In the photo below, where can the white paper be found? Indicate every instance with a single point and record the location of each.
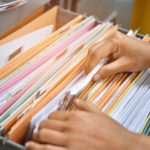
(52, 106)
(138, 98)
(129, 95)
(24, 42)
(140, 118)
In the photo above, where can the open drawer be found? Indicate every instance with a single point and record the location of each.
(62, 20)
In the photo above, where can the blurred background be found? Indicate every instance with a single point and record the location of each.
(127, 13)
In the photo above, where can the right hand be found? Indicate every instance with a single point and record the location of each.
(86, 129)
(132, 55)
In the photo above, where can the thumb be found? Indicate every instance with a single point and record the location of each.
(114, 67)
(85, 106)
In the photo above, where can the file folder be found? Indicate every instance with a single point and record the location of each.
(38, 79)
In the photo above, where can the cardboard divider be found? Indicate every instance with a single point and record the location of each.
(39, 22)
(23, 22)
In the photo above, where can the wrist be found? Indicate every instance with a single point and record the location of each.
(141, 142)
(147, 49)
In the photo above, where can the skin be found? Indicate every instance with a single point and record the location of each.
(131, 55)
(89, 128)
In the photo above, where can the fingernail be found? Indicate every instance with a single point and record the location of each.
(77, 100)
(96, 77)
(27, 145)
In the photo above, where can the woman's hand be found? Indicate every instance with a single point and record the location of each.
(131, 55)
(87, 129)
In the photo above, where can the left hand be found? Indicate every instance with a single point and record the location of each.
(87, 129)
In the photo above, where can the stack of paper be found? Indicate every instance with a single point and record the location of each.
(36, 82)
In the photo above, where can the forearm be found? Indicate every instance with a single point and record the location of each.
(142, 142)
(147, 60)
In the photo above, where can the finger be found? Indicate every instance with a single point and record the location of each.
(37, 146)
(34, 136)
(85, 106)
(59, 115)
(53, 125)
(119, 65)
(50, 137)
(90, 51)
(104, 50)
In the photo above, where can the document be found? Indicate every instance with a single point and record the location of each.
(52, 106)
(52, 81)
(46, 57)
(68, 52)
(135, 102)
(12, 49)
(140, 118)
(116, 93)
(128, 94)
